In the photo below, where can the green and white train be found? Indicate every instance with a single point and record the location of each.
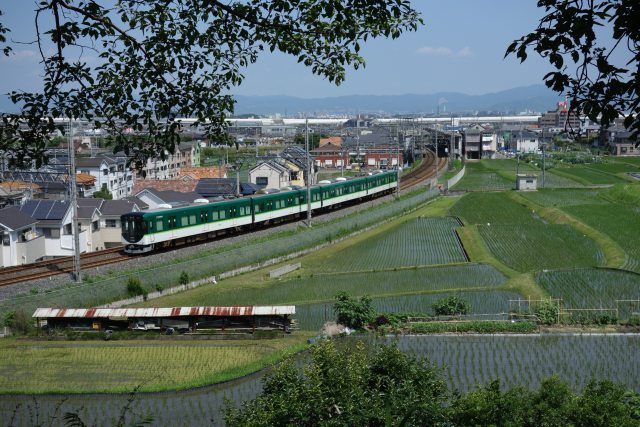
(149, 230)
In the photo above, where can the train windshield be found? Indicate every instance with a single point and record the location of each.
(133, 228)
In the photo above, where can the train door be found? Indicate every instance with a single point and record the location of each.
(171, 222)
(204, 220)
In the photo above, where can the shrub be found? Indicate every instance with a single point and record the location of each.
(451, 306)
(547, 312)
(19, 322)
(353, 313)
(184, 278)
(134, 287)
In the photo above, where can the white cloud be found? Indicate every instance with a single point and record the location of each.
(465, 52)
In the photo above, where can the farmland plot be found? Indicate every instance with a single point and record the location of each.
(535, 247)
(587, 175)
(423, 241)
(620, 222)
(494, 208)
(526, 360)
(312, 316)
(590, 287)
(480, 180)
(562, 197)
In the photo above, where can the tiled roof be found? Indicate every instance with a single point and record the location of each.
(133, 199)
(86, 212)
(334, 140)
(85, 178)
(90, 202)
(171, 196)
(204, 172)
(215, 187)
(116, 207)
(13, 219)
(19, 185)
(182, 185)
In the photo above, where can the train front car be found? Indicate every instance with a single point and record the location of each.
(134, 229)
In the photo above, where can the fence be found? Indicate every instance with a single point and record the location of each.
(223, 261)
(457, 177)
(622, 309)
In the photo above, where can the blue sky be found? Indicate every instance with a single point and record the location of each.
(460, 48)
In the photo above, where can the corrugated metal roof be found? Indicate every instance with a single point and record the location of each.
(165, 311)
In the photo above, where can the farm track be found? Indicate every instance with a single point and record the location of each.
(43, 269)
(52, 267)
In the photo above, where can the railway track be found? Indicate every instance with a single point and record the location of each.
(52, 267)
(423, 172)
(43, 269)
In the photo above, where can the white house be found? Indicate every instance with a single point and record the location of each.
(55, 224)
(270, 174)
(111, 171)
(21, 243)
(524, 141)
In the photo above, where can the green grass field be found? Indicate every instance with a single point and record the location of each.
(587, 175)
(535, 247)
(561, 198)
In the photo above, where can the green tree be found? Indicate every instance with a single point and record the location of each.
(547, 312)
(104, 193)
(353, 313)
(154, 62)
(588, 69)
(349, 387)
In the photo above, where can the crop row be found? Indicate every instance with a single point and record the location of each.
(312, 316)
(422, 241)
(591, 287)
(493, 208)
(620, 222)
(546, 246)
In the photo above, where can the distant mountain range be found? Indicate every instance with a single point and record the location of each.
(533, 98)
(527, 98)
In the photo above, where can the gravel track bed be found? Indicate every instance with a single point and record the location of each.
(52, 282)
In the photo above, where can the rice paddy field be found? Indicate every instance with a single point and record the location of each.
(418, 242)
(492, 208)
(591, 287)
(32, 366)
(536, 247)
(466, 360)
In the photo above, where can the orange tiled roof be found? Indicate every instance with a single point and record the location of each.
(182, 185)
(206, 172)
(18, 185)
(85, 178)
(335, 140)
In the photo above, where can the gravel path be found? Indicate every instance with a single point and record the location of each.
(26, 288)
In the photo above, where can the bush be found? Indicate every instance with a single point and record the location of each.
(547, 312)
(451, 306)
(184, 278)
(19, 322)
(353, 313)
(134, 287)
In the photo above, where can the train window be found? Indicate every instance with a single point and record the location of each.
(192, 219)
(184, 221)
(222, 214)
(159, 224)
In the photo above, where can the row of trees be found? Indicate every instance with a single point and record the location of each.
(357, 386)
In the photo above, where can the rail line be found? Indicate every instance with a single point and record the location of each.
(52, 267)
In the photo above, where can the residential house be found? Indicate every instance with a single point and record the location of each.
(197, 172)
(157, 198)
(621, 143)
(383, 156)
(110, 171)
(479, 142)
(269, 174)
(89, 223)
(15, 193)
(297, 160)
(183, 184)
(330, 155)
(21, 243)
(110, 226)
(215, 188)
(55, 224)
(522, 141)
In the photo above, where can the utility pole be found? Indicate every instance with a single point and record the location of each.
(436, 150)
(74, 206)
(543, 159)
(398, 163)
(451, 146)
(306, 143)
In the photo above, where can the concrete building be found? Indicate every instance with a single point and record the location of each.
(110, 171)
(330, 155)
(21, 244)
(526, 182)
(522, 141)
(620, 142)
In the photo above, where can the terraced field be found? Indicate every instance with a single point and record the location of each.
(493, 208)
(535, 247)
(563, 197)
(418, 242)
(312, 316)
(526, 360)
(590, 287)
(620, 222)
(587, 175)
